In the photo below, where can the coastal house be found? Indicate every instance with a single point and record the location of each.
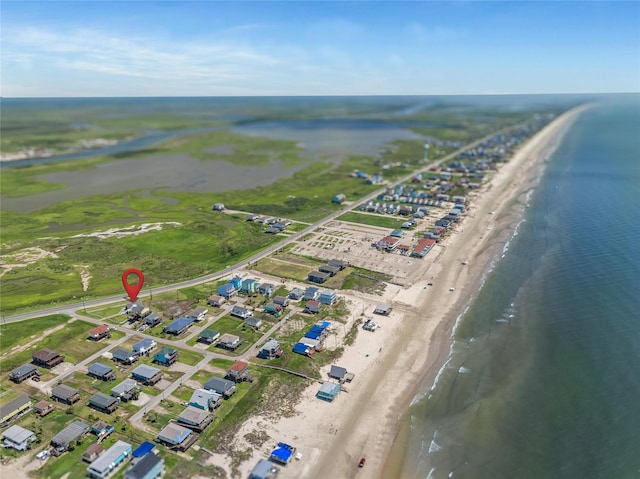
(270, 350)
(42, 408)
(423, 247)
(339, 198)
(47, 358)
(328, 391)
(240, 312)
(93, 452)
(127, 390)
(179, 326)
(249, 286)
(205, 399)
(18, 438)
(264, 470)
(150, 466)
(166, 356)
(311, 293)
(124, 356)
(195, 418)
(273, 309)
(281, 301)
(218, 207)
(216, 300)
(208, 336)
(236, 281)
(110, 461)
(101, 371)
(238, 372)
(296, 294)
(382, 309)
(65, 394)
(24, 372)
(14, 408)
(318, 277)
(222, 386)
(197, 314)
(68, 436)
(153, 320)
(312, 307)
(227, 291)
(253, 322)
(176, 437)
(144, 347)
(282, 454)
(99, 332)
(147, 375)
(330, 270)
(267, 289)
(103, 403)
(303, 349)
(328, 296)
(388, 243)
(229, 342)
(337, 263)
(102, 429)
(340, 374)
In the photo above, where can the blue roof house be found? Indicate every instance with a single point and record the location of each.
(179, 326)
(227, 290)
(236, 281)
(311, 293)
(282, 454)
(144, 346)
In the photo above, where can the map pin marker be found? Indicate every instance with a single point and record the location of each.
(132, 289)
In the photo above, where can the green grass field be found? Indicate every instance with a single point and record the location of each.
(373, 220)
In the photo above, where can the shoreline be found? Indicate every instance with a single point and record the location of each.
(366, 421)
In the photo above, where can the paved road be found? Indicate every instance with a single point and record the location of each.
(70, 308)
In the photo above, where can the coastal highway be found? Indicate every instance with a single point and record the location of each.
(70, 308)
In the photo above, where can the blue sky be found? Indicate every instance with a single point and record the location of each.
(101, 48)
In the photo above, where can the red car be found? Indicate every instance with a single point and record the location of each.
(361, 463)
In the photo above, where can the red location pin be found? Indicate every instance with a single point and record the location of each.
(133, 289)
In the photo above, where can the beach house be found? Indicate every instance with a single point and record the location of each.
(47, 358)
(176, 437)
(229, 342)
(24, 372)
(144, 347)
(222, 386)
(14, 408)
(109, 462)
(68, 436)
(270, 350)
(227, 291)
(124, 356)
(205, 399)
(149, 466)
(208, 336)
(195, 418)
(127, 390)
(166, 356)
(18, 438)
(328, 391)
(65, 394)
(101, 371)
(103, 403)
(99, 332)
(179, 326)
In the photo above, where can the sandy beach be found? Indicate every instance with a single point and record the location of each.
(392, 364)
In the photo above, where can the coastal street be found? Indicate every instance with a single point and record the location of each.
(71, 308)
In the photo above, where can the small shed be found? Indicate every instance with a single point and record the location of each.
(382, 309)
(282, 454)
(339, 198)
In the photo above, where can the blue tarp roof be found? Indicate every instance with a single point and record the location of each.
(282, 454)
(300, 348)
(323, 324)
(316, 329)
(144, 448)
(313, 334)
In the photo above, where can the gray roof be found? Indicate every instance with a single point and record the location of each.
(63, 391)
(143, 467)
(145, 371)
(218, 384)
(193, 415)
(111, 455)
(100, 369)
(271, 345)
(22, 370)
(122, 354)
(263, 469)
(17, 434)
(174, 433)
(102, 400)
(337, 372)
(124, 387)
(202, 397)
(70, 433)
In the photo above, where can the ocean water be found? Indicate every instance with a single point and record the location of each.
(543, 380)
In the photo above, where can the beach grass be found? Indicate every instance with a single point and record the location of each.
(373, 220)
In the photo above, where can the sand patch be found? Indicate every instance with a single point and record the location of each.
(127, 230)
(23, 258)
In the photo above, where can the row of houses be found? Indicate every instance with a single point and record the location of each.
(238, 285)
(326, 271)
(313, 339)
